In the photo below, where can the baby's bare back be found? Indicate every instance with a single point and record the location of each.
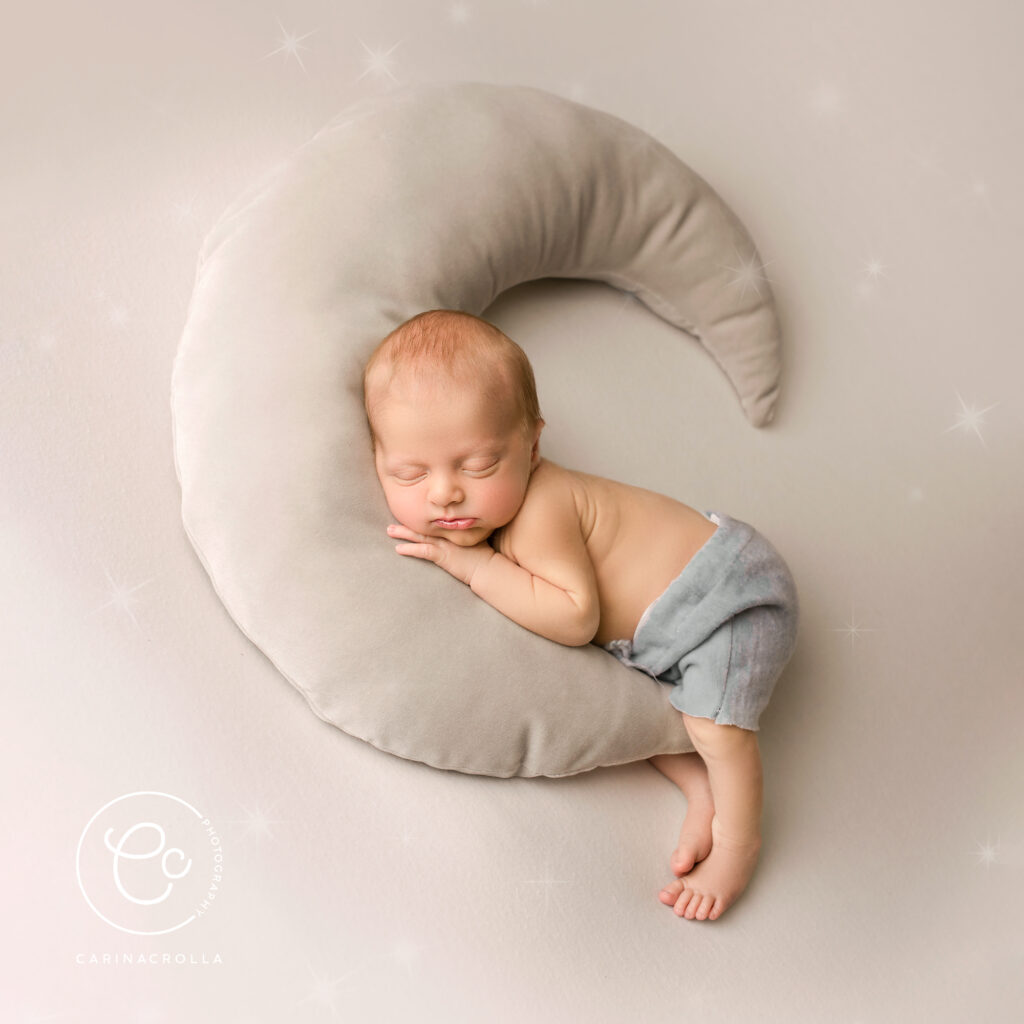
(639, 542)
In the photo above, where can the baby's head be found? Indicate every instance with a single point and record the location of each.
(455, 423)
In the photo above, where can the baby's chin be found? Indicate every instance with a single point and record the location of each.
(466, 538)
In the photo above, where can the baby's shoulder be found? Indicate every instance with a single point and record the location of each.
(552, 488)
(552, 497)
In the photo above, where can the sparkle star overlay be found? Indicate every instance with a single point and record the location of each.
(971, 418)
(256, 822)
(987, 853)
(748, 273)
(404, 954)
(378, 61)
(185, 210)
(873, 271)
(290, 46)
(874, 268)
(853, 629)
(122, 597)
(322, 992)
(547, 885)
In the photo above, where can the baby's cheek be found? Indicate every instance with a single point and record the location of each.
(400, 506)
(508, 501)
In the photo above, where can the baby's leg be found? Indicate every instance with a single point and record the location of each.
(734, 771)
(690, 774)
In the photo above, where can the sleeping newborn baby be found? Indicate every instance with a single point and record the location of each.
(701, 602)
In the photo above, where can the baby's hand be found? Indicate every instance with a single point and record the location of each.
(460, 562)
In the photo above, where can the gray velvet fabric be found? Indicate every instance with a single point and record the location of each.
(436, 196)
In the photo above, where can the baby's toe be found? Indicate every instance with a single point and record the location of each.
(682, 861)
(686, 905)
(671, 892)
(705, 908)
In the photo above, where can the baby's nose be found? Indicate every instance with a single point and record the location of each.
(446, 491)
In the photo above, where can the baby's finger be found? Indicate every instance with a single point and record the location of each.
(427, 551)
(398, 530)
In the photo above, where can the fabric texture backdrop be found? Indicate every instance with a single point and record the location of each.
(872, 150)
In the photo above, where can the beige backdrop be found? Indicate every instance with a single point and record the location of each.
(874, 151)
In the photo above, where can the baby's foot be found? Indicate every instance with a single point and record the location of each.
(695, 835)
(711, 887)
(690, 774)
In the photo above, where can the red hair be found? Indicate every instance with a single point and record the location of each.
(462, 347)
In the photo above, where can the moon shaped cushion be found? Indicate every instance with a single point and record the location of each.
(431, 197)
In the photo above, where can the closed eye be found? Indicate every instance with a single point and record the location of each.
(410, 477)
(480, 468)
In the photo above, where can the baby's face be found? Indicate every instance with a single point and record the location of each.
(451, 464)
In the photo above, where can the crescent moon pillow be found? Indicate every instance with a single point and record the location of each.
(436, 196)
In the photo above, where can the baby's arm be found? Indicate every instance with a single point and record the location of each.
(548, 586)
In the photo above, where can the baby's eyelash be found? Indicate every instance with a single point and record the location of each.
(412, 476)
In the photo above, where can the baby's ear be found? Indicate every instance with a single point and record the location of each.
(535, 447)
